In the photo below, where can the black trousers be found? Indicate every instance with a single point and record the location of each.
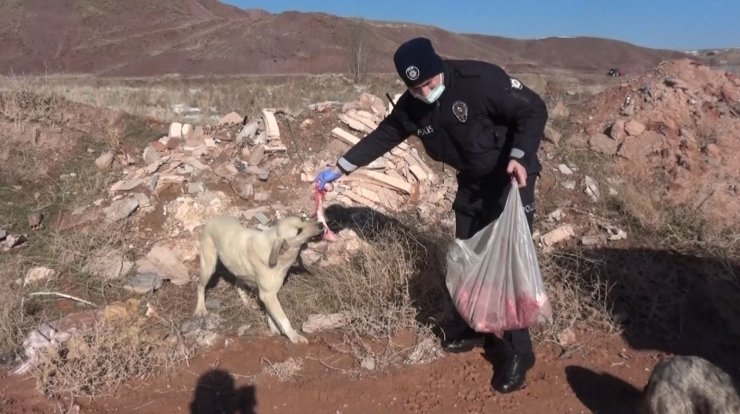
(469, 221)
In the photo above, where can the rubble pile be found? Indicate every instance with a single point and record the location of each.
(676, 129)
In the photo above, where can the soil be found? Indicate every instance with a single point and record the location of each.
(600, 374)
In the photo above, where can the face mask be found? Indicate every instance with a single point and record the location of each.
(433, 95)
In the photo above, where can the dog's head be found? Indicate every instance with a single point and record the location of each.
(291, 233)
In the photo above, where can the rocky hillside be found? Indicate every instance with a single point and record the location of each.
(143, 38)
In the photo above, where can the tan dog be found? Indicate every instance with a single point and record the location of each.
(259, 258)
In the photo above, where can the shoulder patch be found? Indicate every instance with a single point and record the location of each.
(515, 83)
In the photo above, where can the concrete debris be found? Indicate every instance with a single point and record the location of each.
(558, 235)
(230, 119)
(318, 322)
(565, 170)
(38, 274)
(591, 188)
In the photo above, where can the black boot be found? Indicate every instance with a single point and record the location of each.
(463, 342)
(512, 372)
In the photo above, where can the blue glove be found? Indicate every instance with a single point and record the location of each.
(327, 175)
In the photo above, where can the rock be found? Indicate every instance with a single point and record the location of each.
(603, 144)
(636, 149)
(310, 257)
(34, 220)
(119, 210)
(230, 119)
(126, 185)
(214, 303)
(3, 234)
(142, 199)
(242, 187)
(318, 322)
(307, 123)
(263, 174)
(38, 274)
(558, 235)
(569, 184)
(196, 187)
(593, 240)
(258, 154)
(556, 215)
(566, 337)
(614, 233)
(552, 135)
(617, 131)
(565, 170)
(424, 352)
(591, 188)
(168, 265)
(242, 330)
(261, 196)
(634, 128)
(186, 130)
(560, 110)
(12, 241)
(108, 265)
(143, 283)
(104, 161)
(368, 363)
(712, 150)
(628, 110)
(245, 154)
(261, 217)
(175, 130)
(151, 155)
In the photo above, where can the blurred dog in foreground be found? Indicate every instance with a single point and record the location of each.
(689, 385)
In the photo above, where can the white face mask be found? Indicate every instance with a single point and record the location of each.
(433, 95)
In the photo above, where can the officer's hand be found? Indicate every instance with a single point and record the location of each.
(518, 172)
(326, 176)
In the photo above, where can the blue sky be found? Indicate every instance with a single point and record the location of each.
(677, 24)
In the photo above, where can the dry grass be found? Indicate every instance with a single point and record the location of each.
(96, 362)
(394, 285)
(167, 98)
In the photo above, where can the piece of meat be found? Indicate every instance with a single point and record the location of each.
(318, 196)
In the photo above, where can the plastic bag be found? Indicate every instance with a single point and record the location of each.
(494, 278)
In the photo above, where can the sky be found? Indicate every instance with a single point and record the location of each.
(665, 24)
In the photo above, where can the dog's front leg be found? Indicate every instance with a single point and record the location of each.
(275, 312)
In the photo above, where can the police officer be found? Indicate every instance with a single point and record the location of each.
(485, 124)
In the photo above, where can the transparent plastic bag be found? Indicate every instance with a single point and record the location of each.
(494, 278)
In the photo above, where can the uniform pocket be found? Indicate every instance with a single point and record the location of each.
(479, 142)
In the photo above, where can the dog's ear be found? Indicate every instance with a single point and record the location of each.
(278, 246)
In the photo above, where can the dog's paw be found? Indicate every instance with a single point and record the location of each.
(201, 312)
(298, 339)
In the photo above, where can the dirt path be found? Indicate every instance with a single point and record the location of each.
(603, 377)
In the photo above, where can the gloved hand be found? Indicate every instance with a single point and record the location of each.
(326, 176)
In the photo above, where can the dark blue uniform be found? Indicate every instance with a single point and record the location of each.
(483, 119)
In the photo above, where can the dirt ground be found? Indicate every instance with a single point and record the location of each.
(603, 375)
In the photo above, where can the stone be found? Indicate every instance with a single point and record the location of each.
(555, 215)
(243, 188)
(425, 351)
(628, 110)
(603, 144)
(126, 185)
(569, 184)
(245, 154)
(196, 187)
(634, 128)
(591, 188)
(261, 217)
(565, 170)
(323, 322)
(617, 131)
(566, 337)
(38, 274)
(368, 363)
(307, 123)
(151, 155)
(142, 199)
(108, 265)
(560, 110)
(34, 220)
(263, 174)
(168, 265)
(143, 283)
(636, 149)
(230, 119)
(121, 209)
(258, 154)
(552, 135)
(593, 240)
(261, 196)
(105, 161)
(558, 235)
(3, 234)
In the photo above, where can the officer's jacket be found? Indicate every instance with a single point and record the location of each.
(483, 119)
